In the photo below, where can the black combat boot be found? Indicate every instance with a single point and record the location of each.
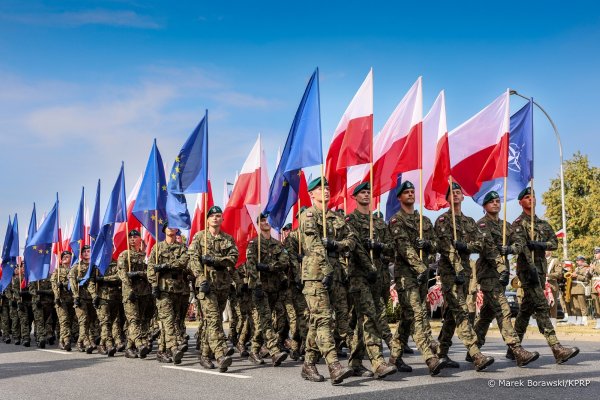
(310, 373)
(408, 350)
(102, 350)
(163, 357)
(143, 351)
(242, 349)
(111, 351)
(362, 371)
(67, 346)
(27, 342)
(400, 364)
(89, 349)
(337, 373)
(177, 355)
(42, 344)
(448, 362)
(131, 353)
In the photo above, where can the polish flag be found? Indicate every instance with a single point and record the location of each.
(351, 143)
(120, 235)
(560, 234)
(304, 198)
(198, 219)
(250, 193)
(479, 147)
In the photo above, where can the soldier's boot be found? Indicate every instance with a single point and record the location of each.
(408, 350)
(302, 350)
(205, 362)
(224, 362)
(42, 344)
(400, 364)
(481, 361)
(144, 351)
(310, 373)
(509, 354)
(27, 342)
(279, 358)
(121, 347)
(242, 349)
(155, 335)
(131, 353)
(230, 351)
(112, 350)
(384, 370)
(523, 356)
(468, 358)
(264, 352)
(80, 347)
(7, 340)
(435, 365)
(434, 346)
(163, 357)
(255, 358)
(102, 350)
(67, 346)
(51, 340)
(362, 371)
(97, 340)
(177, 355)
(337, 373)
(17, 341)
(339, 349)
(562, 354)
(183, 346)
(448, 362)
(90, 349)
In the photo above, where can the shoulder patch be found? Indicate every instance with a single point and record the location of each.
(393, 220)
(347, 218)
(518, 219)
(441, 218)
(309, 214)
(482, 224)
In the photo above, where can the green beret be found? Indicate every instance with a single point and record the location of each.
(378, 214)
(524, 192)
(86, 247)
(362, 186)
(287, 227)
(214, 210)
(490, 196)
(165, 226)
(455, 186)
(405, 185)
(316, 182)
(134, 232)
(64, 253)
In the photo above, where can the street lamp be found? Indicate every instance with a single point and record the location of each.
(562, 178)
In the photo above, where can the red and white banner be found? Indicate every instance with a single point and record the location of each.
(197, 224)
(548, 294)
(435, 297)
(121, 235)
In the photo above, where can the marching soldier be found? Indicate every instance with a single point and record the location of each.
(455, 273)
(242, 307)
(82, 300)
(319, 265)
(43, 307)
(213, 255)
(22, 295)
(63, 301)
(5, 316)
(13, 298)
(106, 299)
(531, 268)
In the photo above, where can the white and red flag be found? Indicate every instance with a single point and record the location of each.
(197, 224)
(120, 236)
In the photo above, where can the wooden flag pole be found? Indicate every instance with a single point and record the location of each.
(323, 202)
(453, 213)
(156, 233)
(504, 239)
(532, 231)
(421, 209)
(128, 250)
(205, 200)
(298, 218)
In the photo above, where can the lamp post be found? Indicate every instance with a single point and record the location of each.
(562, 178)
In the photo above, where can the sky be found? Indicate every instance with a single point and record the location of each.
(87, 84)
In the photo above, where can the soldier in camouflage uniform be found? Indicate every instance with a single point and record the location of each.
(167, 271)
(15, 323)
(264, 271)
(5, 315)
(492, 275)
(243, 310)
(63, 302)
(531, 269)
(106, 292)
(137, 297)
(213, 255)
(184, 303)
(455, 272)
(365, 288)
(24, 306)
(82, 300)
(43, 310)
(411, 272)
(320, 264)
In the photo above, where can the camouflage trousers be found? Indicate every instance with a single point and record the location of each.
(380, 310)
(403, 329)
(367, 333)
(139, 314)
(5, 325)
(15, 322)
(184, 305)
(234, 318)
(286, 298)
(86, 317)
(43, 316)
(495, 306)
(320, 324)
(213, 337)
(66, 320)
(455, 314)
(25, 311)
(108, 315)
(302, 313)
(263, 326)
(167, 307)
(534, 303)
(338, 298)
(243, 317)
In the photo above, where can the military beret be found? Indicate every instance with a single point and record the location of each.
(490, 196)
(524, 192)
(316, 183)
(378, 214)
(580, 257)
(596, 250)
(214, 210)
(405, 186)
(64, 253)
(362, 186)
(455, 186)
(134, 232)
(262, 216)
(165, 226)
(287, 227)
(300, 211)
(85, 247)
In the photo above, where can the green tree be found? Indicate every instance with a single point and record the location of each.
(582, 202)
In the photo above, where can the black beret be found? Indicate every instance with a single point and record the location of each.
(455, 186)
(134, 232)
(214, 210)
(287, 227)
(524, 192)
(405, 185)
(493, 195)
(85, 247)
(64, 253)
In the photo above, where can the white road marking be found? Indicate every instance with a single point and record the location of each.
(202, 371)
(64, 353)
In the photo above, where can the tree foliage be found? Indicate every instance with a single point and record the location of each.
(582, 203)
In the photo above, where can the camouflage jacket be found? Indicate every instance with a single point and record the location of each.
(175, 256)
(294, 271)
(18, 294)
(490, 263)
(223, 249)
(41, 291)
(359, 261)
(60, 283)
(108, 286)
(138, 281)
(520, 235)
(451, 261)
(272, 253)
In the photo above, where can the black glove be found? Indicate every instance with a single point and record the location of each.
(374, 245)
(100, 278)
(160, 267)
(132, 297)
(77, 302)
(505, 250)
(96, 302)
(504, 277)
(38, 304)
(21, 306)
(461, 247)
(372, 277)
(13, 303)
(283, 284)
(92, 277)
(327, 281)
(155, 292)
(244, 288)
(204, 287)
(533, 277)
(208, 260)
(423, 244)
(58, 302)
(299, 257)
(60, 286)
(299, 285)
(534, 245)
(329, 244)
(261, 267)
(422, 277)
(258, 293)
(459, 279)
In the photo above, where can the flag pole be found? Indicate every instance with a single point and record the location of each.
(59, 240)
(452, 208)
(504, 212)
(421, 210)
(531, 231)
(298, 215)
(323, 202)
(156, 233)
(205, 200)
(371, 208)
(128, 250)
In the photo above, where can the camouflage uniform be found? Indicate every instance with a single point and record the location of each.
(24, 309)
(86, 313)
(137, 299)
(5, 325)
(219, 277)
(107, 300)
(43, 310)
(63, 303)
(15, 322)
(242, 307)
(168, 283)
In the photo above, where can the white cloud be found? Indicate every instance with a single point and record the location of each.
(118, 18)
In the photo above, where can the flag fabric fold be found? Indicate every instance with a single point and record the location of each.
(77, 238)
(95, 221)
(38, 250)
(197, 223)
(8, 267)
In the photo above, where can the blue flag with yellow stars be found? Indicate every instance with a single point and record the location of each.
(151, 203)
(38, 250)
(78, 234)
(8, 267)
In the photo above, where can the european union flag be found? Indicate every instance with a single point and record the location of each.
(95, 222)
(302, 149)
(8, 267)
(151, 202)
(177, 211)
(78, 234)
(520, 158)
(38, 250)
(392, 205)
(13, 251)
(116, 211)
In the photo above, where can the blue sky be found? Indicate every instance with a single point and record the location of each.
(86, 84)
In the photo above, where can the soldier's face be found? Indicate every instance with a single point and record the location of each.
(317, 194)
(580, 263)
(407, 197)
(284, 234)
(66, 259)
(457, 196)
(171, 232)
(597, 256)
(527, 202)
(135, 241)
(264, 225)
(85, 254)
(363, 197)
(215, 220)
(493, 206)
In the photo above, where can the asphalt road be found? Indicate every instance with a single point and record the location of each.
(52, 374)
